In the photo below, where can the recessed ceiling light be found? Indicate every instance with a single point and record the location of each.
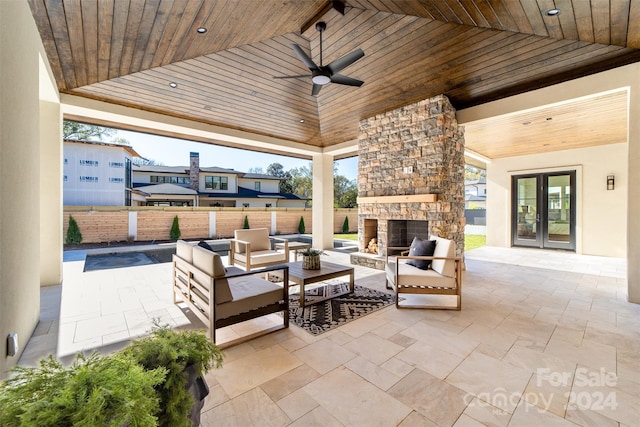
(553, 12)
(301, 120)
(201, 30)
(173, 84)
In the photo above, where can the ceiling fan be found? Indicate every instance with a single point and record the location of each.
(325, 74)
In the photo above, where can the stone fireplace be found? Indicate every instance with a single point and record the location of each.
(410, 177)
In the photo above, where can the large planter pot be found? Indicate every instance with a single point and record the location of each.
(197, 387)
(311, 262)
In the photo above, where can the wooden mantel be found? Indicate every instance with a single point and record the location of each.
(413, 198)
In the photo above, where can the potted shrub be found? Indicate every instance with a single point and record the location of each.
(152, 382)
(311, 258)
(186, 355)
(93, 391)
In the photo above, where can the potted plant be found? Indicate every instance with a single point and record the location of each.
(311, 258)
(156, 381)
(186, 355)
(93, 391)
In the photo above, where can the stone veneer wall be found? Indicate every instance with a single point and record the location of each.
(416, 149)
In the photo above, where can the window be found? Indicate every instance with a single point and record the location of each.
(256, 186)
(160, 179)
(127, 197)
(216, 182)
(128, 174)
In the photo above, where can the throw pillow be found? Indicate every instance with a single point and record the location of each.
(420, 247)
(205, 245)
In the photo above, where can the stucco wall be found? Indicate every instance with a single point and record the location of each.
(19, 168)
(601, 222)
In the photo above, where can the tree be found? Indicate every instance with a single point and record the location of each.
(345, 225)
(74, 237)
(141, 161)
(246, 223)
(175, 233)
(86, 132)
(277, 170)
(345, 192)
(301, 227)
(257, 170)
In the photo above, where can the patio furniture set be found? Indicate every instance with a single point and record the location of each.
(222, 296)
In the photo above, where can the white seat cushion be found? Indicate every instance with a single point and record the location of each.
(445, 248)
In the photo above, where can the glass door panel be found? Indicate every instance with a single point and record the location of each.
(560, 215)
(526, 231)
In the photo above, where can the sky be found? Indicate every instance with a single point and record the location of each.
(175, 152)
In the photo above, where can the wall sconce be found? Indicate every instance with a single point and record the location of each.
(611, 182)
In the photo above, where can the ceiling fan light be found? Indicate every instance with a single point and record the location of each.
(321, 79)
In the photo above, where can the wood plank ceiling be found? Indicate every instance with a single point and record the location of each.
(128, 51)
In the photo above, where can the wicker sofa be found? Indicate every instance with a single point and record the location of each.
(222, 296)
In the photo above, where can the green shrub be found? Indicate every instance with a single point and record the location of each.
(175, 350)
(345, 225)
(246, 222)
(175, 233)
(301, 227)
(93, 391)
(74, 237)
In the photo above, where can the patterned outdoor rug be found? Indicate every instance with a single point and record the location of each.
(326, 315)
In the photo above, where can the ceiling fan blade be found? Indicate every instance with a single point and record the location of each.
(316, 89)
(293, 77)
(345, 61)
(304, 57)
(344, 80)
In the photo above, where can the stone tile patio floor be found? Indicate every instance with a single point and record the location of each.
(544, 338)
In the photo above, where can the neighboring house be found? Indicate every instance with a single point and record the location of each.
(208, 186)
(97, 174)
(475, 194)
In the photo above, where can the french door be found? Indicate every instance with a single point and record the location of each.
(543, 212)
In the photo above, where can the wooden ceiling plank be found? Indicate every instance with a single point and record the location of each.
(619, 22)
(145, 31)
(56, 12)
(415, 8)
(434, 11)
(73, 15)
(120, 14)
(187, 15)
(476, 15)
(489, 14)
(39, 12)
(90, 30)
(554, 29)
(464, 16)
(519, 16)
(567, 19)
(160, 23)
(601, 15)
(504, 15)
(532, 12)
(584, 23)
(169, 31)
(211, 16)
(633, 36)
(105, 21)
(129, 42)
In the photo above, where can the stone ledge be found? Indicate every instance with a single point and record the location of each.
(368, 260)
(412, 198)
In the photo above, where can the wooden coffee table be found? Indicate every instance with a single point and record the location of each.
(327, 271)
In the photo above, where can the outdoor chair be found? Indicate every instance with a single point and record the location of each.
(221, 297)
(442, 276)
(251, 248)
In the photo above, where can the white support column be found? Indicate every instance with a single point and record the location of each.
(322, 209)
(212, 225)
(133, 225)
(633, 206)
(274, 223)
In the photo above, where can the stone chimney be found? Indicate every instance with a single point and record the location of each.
(194, 170)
